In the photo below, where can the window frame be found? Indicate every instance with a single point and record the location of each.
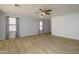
(41, 25)
(14, 30)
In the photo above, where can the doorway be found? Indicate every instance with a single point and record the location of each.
(40, 27)
(12, 27)
(44, 26)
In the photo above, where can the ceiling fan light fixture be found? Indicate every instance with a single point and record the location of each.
(43, 13)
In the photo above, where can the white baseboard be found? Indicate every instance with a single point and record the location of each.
(66, 37)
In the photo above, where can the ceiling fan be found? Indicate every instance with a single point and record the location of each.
(44, 12)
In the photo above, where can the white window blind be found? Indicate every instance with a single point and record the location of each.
(12, 24)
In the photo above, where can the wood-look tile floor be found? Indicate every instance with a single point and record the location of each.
(40, 44)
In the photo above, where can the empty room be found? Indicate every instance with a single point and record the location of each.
(39, 28)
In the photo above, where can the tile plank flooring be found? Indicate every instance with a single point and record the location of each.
(40, 44)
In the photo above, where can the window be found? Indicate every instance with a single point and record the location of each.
(41, 25)
(12, 24)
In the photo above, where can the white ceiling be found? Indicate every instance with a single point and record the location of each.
(31, 9)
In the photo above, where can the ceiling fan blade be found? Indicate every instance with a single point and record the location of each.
(48, 13)
(49, 10)
(41, 10)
